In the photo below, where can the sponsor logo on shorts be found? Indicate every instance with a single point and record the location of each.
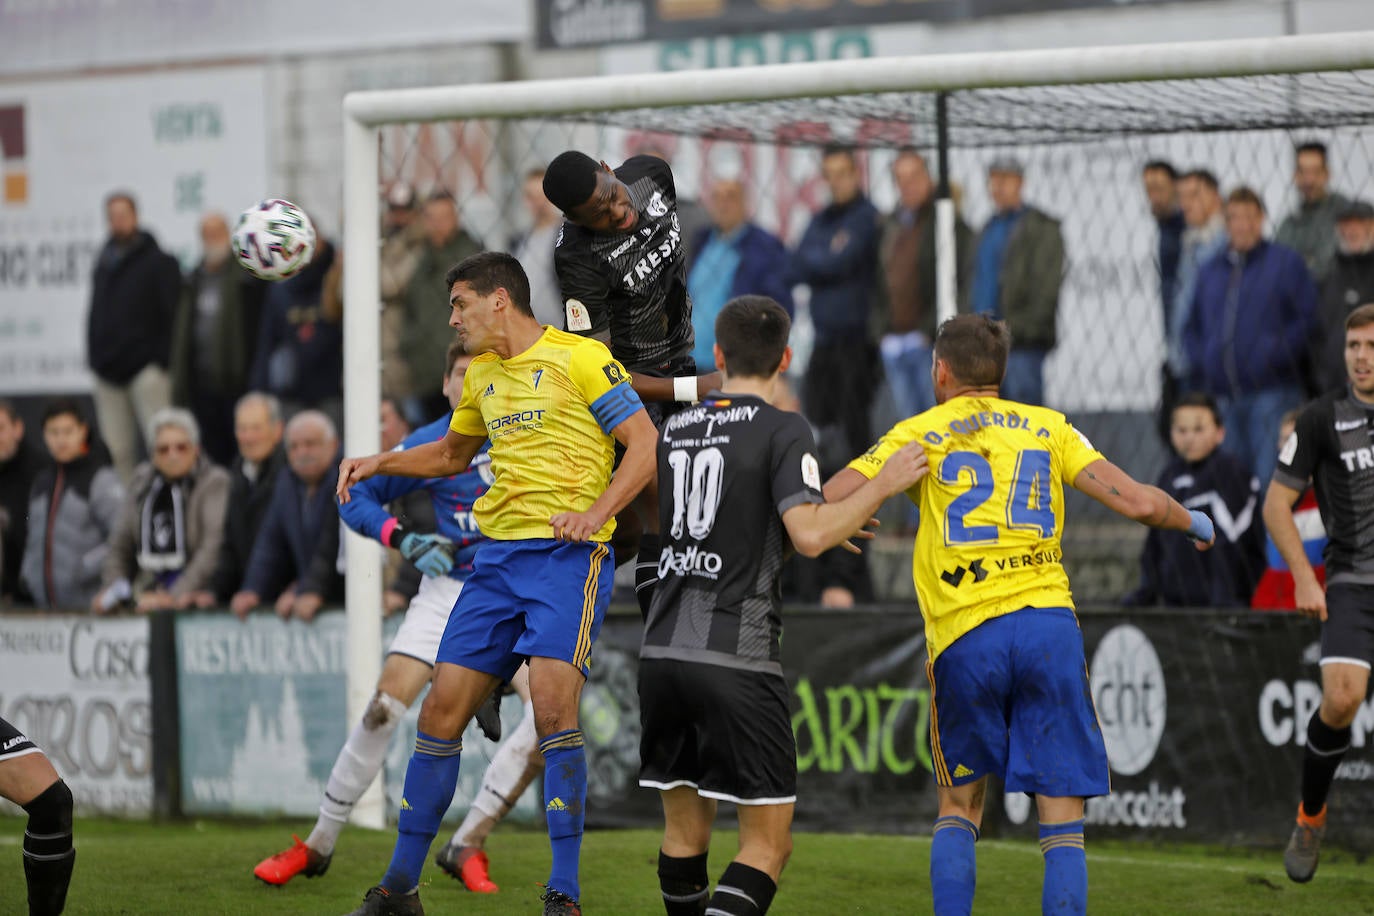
(13, 742)
(961, 771)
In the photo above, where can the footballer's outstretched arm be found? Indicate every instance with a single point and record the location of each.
(637, 469)
(450, 455)
(1149, 505)
(816, 527)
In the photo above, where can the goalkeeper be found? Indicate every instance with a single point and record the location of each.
(445, 559)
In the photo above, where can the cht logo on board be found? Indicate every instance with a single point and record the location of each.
(1128, 690)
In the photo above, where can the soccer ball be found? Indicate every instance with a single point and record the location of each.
(274, 239)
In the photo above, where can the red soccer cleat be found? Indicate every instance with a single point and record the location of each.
(468, 864)
(300, 859)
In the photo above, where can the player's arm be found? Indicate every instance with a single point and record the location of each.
(444, 458)
(690, 388)
(636, 471)
(1149, 505)
(1308, 595)
(816, 527)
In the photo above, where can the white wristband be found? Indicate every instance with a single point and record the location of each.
(685, 389)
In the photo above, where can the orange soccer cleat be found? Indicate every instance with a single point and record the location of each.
(300, 859)
(468, 864)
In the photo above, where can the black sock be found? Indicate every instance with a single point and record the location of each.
(743, 891)
(646, 572)
(1325, 748)
(48, 852)
(685, 884)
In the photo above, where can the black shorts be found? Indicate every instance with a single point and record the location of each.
(1348, 634)
(725, 732)
(13, 743)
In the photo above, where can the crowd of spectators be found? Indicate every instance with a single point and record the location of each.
(233, 387)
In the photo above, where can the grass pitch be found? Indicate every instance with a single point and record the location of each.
(205, 867)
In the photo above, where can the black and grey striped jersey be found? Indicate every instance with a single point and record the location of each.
(632, 285)
(728, 469)
(1333, 446)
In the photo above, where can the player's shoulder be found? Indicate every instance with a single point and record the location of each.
(571, 243)
(637, 167)
(576, 344)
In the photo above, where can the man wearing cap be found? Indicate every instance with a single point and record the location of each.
(1348, 285)
(1018, 267)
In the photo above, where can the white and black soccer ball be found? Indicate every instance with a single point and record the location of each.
(274, 239)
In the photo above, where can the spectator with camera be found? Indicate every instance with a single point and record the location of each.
(166, 544)
(73, 506)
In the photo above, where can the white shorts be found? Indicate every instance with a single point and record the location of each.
(426, 618)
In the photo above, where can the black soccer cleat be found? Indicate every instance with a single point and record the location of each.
(557, 903)
(489, 716)
(381, 902)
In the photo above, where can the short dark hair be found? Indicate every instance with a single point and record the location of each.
(125, 196)
(975, 348)
(1245, 195)
(570, 179)
(1204, 176)
(488, 271)
(837, 149)
(1199, 399)
(1159, 165)
(8, 409)
(752, 334)
(64, 407)
(395, 403)
(456, 351)
(1311, 146)
(1360, 317)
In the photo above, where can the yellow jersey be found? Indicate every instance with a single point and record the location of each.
(548, 412)
(992, 509)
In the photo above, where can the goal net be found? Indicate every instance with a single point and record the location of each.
(1082, 123)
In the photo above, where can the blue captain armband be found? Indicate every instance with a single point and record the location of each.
(616, 406)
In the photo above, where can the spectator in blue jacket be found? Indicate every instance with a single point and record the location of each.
(281, 567)
(1254, 312)
(1199, 475)
(838, 259)
(300, 343)
(734, 258)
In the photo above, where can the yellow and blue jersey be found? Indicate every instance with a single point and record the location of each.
(548, 412)
(992, 509)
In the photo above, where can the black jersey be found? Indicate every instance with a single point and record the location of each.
(1333, 446)
(727, 469)
(632, 286)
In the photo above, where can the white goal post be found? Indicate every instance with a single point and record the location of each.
(365, 113)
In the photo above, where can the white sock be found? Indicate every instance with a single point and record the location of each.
(354, 769)
(510, 772)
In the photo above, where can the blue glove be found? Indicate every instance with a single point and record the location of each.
(1201, 529)
(432, 554)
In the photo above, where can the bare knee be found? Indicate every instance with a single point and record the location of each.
(1339, 707)
(441, 717)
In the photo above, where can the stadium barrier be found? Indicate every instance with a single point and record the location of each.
(1203, 713)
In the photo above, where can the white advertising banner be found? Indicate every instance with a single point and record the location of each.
(83, 34)
(78, 687)
(182, 146)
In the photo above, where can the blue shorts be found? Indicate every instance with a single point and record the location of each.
(526, 599)
(1011, 698)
